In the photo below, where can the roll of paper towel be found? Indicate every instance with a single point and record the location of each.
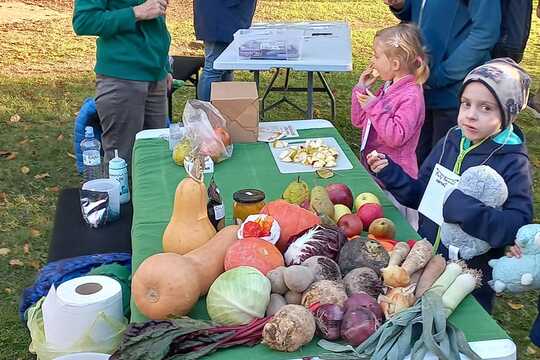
(82, 307)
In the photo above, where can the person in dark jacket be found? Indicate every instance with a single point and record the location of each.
(459, 36)
(492, 96)
(515, 29)
(215, 22)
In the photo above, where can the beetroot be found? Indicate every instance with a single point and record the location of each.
(328, 319)
(363, 300)
(357, 325)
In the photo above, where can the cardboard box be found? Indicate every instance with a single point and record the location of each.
(238, 102)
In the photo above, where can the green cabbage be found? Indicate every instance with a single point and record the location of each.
(238, 296)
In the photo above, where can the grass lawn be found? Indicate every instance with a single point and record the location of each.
(46, 72)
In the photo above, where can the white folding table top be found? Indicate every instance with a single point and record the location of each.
(327, 47)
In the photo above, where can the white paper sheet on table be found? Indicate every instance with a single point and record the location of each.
(342, 162)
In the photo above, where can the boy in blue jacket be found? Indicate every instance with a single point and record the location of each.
(458, 35)
(491, 97)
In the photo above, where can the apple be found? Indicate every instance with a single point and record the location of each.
(339, 211)
(382, 228)
(365, 198)
(351, 225)
(340, 194)
(369, 212)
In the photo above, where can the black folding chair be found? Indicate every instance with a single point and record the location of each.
(185, 68)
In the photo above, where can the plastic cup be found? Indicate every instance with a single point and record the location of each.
(112, 187)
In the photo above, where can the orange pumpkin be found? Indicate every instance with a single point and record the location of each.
(253, 252)
(292, 220)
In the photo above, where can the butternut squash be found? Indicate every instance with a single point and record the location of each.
(168, 284)
(189, 227)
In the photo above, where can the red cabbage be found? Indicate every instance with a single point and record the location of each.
(328, 319)
(321, 240)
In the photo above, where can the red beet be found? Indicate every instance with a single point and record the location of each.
(328, 319)
(357, 325)
(363, 300)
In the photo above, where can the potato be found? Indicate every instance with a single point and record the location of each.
(293, 298)
(276, 302)
(298, 278)
(276, 280)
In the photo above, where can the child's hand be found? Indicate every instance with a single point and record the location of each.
(514, 251)
(376, 161)
(368, 77)
(365, 99)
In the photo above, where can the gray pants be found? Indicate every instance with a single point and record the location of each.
(126, 107)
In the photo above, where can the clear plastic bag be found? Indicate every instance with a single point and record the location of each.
(86, 343)
(206, 130)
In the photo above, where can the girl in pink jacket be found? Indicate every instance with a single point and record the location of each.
(391, 120)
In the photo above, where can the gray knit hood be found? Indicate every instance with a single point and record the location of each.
(507, 81)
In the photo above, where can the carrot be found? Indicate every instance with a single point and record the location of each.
(387, 244)
(431, 273)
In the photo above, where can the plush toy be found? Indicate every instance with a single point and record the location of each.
(519, 274)
(482, 183)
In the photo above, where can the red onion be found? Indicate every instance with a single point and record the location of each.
(357, 325)
(328, 319)
(363, 300)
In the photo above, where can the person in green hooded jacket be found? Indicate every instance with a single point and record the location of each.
(132, 67)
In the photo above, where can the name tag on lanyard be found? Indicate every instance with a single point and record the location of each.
(441, 182)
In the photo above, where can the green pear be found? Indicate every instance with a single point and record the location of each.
(296, 192)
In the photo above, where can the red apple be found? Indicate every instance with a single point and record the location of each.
(369, 212)
(340, 194)
(351, 225)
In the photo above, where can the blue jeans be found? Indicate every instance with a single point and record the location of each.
(209, 75)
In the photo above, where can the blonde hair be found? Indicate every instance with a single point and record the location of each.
(404, 43)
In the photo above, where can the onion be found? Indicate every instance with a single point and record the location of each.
(363, 300)
(328, 319)
(357, 325)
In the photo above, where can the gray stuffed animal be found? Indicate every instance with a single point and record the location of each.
(482, 183)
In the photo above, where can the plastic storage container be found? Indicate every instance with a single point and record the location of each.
(112, 187)
(270, 44)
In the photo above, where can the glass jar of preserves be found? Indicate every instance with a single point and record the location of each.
(247, 202)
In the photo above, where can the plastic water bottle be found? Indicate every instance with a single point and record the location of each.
(118, 170)
(91, 152)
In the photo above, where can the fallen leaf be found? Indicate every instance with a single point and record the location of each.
(4, 251)
(12, 156)
(53, 189)
(35, 264)
(531, 350)
(16, 262)
(8, 291)
(515, 306)
(24, 141)
(71, 155)
(15, 118)
(3, 197)
(26, 248)
(60, 137)
(25, 170)
(41, 176)
(34, 233)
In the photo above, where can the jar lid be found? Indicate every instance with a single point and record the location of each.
(248, 196)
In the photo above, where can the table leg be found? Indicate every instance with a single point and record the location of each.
(309, 112)
(330, 94)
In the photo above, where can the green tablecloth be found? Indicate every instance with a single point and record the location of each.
(155, 178)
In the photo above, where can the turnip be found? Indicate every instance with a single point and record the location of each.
(357, 325)
(464, 284)
(328, 319)
(365, 280)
